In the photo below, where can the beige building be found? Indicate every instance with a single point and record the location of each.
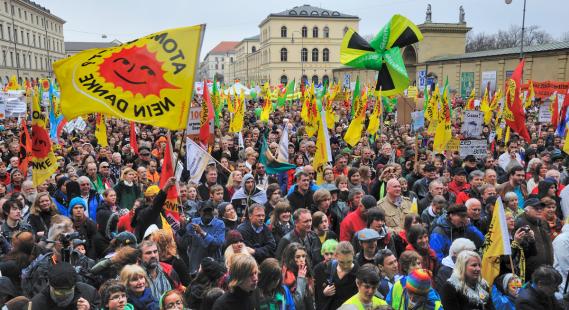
(217, 62)
(442, 54)
(302, 42)
(73, 47)
(31, 40)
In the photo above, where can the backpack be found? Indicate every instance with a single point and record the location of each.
(35, 276)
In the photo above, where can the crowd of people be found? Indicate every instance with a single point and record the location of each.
(93, 236)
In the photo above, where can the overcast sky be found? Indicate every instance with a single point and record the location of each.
(88, 20)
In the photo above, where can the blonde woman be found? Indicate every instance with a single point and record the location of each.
(465, 289)
(127, 191)
(40, 214)
(234, 182)
(138, 291)
(167, 252)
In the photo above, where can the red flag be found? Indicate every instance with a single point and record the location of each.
(25, 149)
(513, 111)
(555, 111)
(206, 115)
(171, 207)
(133, 142)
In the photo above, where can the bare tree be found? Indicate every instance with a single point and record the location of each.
(564, 37)
(511, 37)
(480, 42)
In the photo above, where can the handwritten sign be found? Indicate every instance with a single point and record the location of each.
(545, 112)
(472, 123)
(453, 145)
(478, 148)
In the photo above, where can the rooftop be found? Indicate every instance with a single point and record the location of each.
(505, 51)
(224, 47)
(309, 11)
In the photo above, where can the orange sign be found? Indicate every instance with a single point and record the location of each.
(545, 89)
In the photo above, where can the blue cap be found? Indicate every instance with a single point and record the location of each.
(77, 201)
(367, 234)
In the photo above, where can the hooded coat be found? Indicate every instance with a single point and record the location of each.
(443, 234)
(243, 198)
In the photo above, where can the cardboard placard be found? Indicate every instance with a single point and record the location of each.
(472, 124)
(194, 122)
(478, 148)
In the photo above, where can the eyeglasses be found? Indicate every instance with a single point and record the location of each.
(175, 304)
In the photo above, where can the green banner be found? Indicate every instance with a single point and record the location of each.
(466, 83)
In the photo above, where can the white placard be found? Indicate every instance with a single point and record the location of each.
(478, 148)
(545, 112)
(472, 124)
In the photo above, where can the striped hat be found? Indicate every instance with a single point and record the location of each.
(419, 282)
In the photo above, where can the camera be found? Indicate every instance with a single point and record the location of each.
(526, 229)
(66, 238)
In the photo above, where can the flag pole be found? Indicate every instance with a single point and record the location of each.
(512, 264)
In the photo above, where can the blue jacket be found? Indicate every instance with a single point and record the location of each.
(95, 199)
(443, 235)
(208, 246)
(502, 301)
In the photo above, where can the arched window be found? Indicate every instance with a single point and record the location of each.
(325, 55)
(315, 79)
(325, 80)
(284, 54)
(314, 54)
(284, 79)
(253, 49)
(326, 32)
(283, 32)
(304, 32)
(315, 32)
(304, 55)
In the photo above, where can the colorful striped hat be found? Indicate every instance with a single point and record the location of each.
(419, 282)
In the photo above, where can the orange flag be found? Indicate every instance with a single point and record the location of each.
(133, 142)
(171, 214)
(206, 114)
(25, 149)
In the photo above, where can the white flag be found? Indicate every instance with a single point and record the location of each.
(197, 160)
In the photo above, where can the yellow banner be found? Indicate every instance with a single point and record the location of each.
(44, 163)
(149, 80)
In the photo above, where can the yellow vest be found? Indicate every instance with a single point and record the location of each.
(354, 300)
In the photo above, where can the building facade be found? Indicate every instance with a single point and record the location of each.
(73, 47)
(31, 40)
(299, 43)
(217, 62)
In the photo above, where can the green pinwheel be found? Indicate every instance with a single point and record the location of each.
(382, 53)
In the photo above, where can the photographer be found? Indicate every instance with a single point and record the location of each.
(533, 225)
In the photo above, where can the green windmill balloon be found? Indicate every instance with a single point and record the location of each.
(382, 53)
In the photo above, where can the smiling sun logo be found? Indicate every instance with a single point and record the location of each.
(135, 69)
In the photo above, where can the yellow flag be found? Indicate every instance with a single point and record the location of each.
(354, 132)
(330, 116)
(13, 83)
(323, 153)
(443, 132)
(236, 123)
(148, 80)
(566, 144)
(414, 206)
(268, 107)
(373, 125)
(44, 163)
(497, 243)
(530, 95)
(432, 114)
(485, 107)
(101, 130)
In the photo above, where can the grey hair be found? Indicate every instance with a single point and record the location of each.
(459, 245)
(471, 201)
(476, 173)
(510, 195)
(83, 179)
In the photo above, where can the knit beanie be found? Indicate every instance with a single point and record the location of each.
(329, 246)
(419, 282)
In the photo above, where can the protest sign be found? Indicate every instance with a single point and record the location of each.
(453, 145)
(193, 129)
(418, 120)
(477, 148)
(472, 123)
(545, 112)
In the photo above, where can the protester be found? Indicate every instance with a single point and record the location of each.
(243, 281)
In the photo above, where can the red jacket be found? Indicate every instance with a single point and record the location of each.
(351, 224)
(429, 259)
(124, 222)
(456, 189)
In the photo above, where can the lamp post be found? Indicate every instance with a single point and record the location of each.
(523, 28)
(302, 47)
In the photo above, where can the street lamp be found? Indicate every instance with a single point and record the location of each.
(302, 47)
(523, 28)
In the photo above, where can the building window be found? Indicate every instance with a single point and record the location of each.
(284, 54)
(314, 54)
(284, 79)
(17, 60)
(20, 12)
(222, 66)
(4, 58)
(34, 38)
(345, 29)
(315, 32)
(253, 49)
(6, 7)
(304, 55)
(326, 32)
(22, 36)
(283, 32)
(2, 31)
(325, 80)
(315, 79)
(304, 32)
(325, 55)
(216, 66)
(28, 36)
(9, 33)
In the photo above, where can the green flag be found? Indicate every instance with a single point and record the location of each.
(425, 97)
(356, 94)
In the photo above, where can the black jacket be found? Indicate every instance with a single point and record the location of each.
(311, 242)
(544, 248)
(532, 299)
(148, 215)
(345, 287)
(43, 300)
(298, 200)
(263, 242)
(235, 300)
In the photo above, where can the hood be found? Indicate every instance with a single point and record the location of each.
(245, 178)
(447, 261)
(107, 223)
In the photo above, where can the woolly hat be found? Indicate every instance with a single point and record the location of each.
(419, 282)
(62, 276)
(329, 246)
(212, 269)
(77, 201)
(151, 191)
(233, 236)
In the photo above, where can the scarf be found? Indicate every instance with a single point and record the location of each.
(477, 296)
(519, 261)
(289, 279)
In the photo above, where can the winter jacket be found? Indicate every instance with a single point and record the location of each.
(208, 245)
(443, 234)
(398, 299)
(147, 215)
(531, 299)
(311, 242)
(40, 222)
(259, 239)
(351, 224)
(93, 203)
(345, 287)
(453, 297)
(236, 299)
(106, 230)
(500, 300)
(43, 299)
(126, 195)
(298, 200)
(544, 253)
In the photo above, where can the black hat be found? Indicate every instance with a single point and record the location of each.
(212, 269)
(459, 171)
(206, 205)
(126, 238)
(456, 209)
(62, 276)
(470, 158)
(533, 202)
